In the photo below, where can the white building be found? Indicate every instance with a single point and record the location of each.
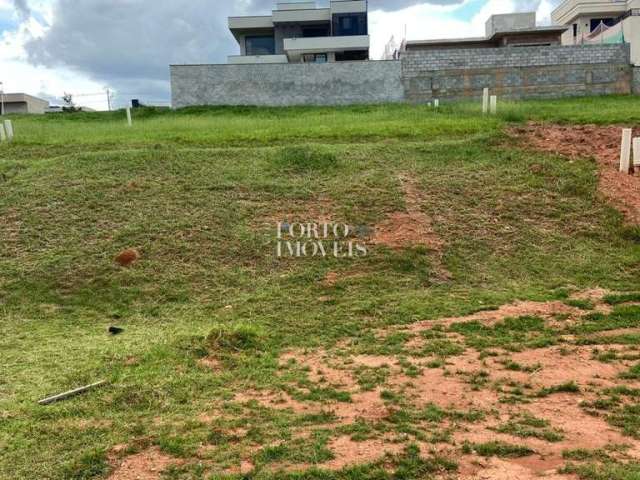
(301, 32)
(601, 21)
(22, 103)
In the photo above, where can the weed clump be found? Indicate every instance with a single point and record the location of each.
(304, 158)
(234, 338)
(497, 449)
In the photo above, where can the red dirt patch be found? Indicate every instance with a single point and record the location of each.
(469, 382)
(496, 469)
(512, 310)
(147, 465)
(450, 391)
(581, 430)
(321, 369)
(410, 228)
(348, 452)
(365, 405)
(127, 257)
(591, 141)
(330, 279)
(558, 368)
(275, 400)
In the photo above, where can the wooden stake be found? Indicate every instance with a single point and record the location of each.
(636, 152)
(485, 101)
(625, 151)
(494, 104)
(8, 127)
(71, 393)
(129, 117)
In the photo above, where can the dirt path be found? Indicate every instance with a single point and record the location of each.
(408, 228)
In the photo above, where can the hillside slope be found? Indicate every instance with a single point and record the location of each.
(232, 361)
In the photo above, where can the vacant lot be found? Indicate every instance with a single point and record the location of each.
(491, 331)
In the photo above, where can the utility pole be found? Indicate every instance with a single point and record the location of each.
(108, 98)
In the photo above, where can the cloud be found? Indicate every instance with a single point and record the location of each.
(22, 8)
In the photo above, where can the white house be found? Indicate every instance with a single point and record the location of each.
(601, 21)
(303, 33)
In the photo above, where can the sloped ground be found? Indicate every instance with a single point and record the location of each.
(601, 143)
(416, 361)
(526, 378)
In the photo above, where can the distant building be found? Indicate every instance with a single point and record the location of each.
(303, 33)
(601, 22)
(22, 103)
(510, 30)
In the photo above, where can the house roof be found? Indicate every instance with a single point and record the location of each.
(491, 39)
(21, 97)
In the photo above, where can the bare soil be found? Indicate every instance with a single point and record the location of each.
(590, 141)
(146, 465)
(451, 387)
(127, 257)
(410, 228)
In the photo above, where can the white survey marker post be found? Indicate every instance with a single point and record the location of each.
(636, 152)
(129, 121)
(494, 104)
(8, 127)
(436, 103)
(3, 136)
(625, 151)
(485, 101)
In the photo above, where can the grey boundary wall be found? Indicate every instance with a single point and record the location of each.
(341, 83)
(523, 72)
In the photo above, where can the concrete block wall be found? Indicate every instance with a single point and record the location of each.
(513, 72)
(340, 83)
(523, 72)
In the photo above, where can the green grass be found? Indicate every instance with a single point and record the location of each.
(527, 426)
(511, 334)
(606, 471)
(199, 192)
(622, 298)
(497, 449)
(569, 387)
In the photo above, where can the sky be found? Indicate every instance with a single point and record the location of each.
(84, 47)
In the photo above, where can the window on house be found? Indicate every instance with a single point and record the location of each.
(314, 58)
(260, 45)
(352, 56)
(347, 24)
(316, 31)
(575, 30)
(595, 22)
